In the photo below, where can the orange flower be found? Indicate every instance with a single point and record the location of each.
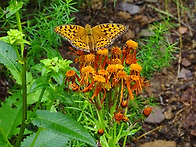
(116, 51)
(129, 88)
(99, 78)
(112, 68)
(101, 58)
(138, 83)
(124, 104)
(74, 86)
(70, 73)
(147, 111)
(136, 67)
(118, 117)
(125, 119)
(116, 61)
(100, 132)
(87, 70)
(103, 72)
(121, 74)
(102, 51)
(130, 59)
(89, 58)
(132, 44)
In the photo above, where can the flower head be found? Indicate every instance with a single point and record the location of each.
(132, 44)
(116, 61)
(121, 74)
(116, 51)
(136, 67)
(103, 72)
(87, 70)
(102, 51)
(99, 78)
(70, 73)
(89, 58)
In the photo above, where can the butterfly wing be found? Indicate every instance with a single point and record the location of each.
(105, 34)
(75, 34)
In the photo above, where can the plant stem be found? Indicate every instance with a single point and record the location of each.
(9, 144)
(24, 102)
(37, 104)
(35, 138)
(19, 25)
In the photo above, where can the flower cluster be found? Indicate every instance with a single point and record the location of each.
(110, 78)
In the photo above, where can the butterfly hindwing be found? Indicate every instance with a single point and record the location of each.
(80, 43)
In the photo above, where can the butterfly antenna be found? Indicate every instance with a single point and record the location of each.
(103, 5)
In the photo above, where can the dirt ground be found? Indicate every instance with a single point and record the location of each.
(174, 89)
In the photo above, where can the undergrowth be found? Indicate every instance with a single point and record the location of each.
(156, 50)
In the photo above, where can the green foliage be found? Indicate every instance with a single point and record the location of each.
(156, 50)
(40, 29)
(14, 37)
(11, 114)
(46, 138)
(9, 58)
(13, 8)
(63, 125)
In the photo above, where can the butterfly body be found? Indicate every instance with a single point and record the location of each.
(89, 39)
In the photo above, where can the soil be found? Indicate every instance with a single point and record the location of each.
(174, 87)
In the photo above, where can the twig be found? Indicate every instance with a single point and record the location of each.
(147, 133)
(170, 15)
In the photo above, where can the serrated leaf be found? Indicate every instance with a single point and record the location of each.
(11, 114)
(64, 125)
(46, 139)
(9, 58)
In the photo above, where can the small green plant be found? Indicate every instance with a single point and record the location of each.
(156, 51)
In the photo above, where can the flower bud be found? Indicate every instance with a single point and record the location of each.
(100, 132)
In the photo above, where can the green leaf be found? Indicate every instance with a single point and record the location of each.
(12, 9)
(11, 113)
(58, 77)
(46, 139)
(9, 58)
(3, 141)
(39, 83)
(64, 125)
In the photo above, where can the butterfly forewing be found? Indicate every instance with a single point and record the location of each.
(74, 34)
(105, 34)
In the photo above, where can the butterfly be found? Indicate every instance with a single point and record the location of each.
(91, 39)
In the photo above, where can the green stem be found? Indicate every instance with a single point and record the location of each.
(35, 138)
(125, 140)
(9, 144)
(24, 86)
(24, 102)
(37, 104)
